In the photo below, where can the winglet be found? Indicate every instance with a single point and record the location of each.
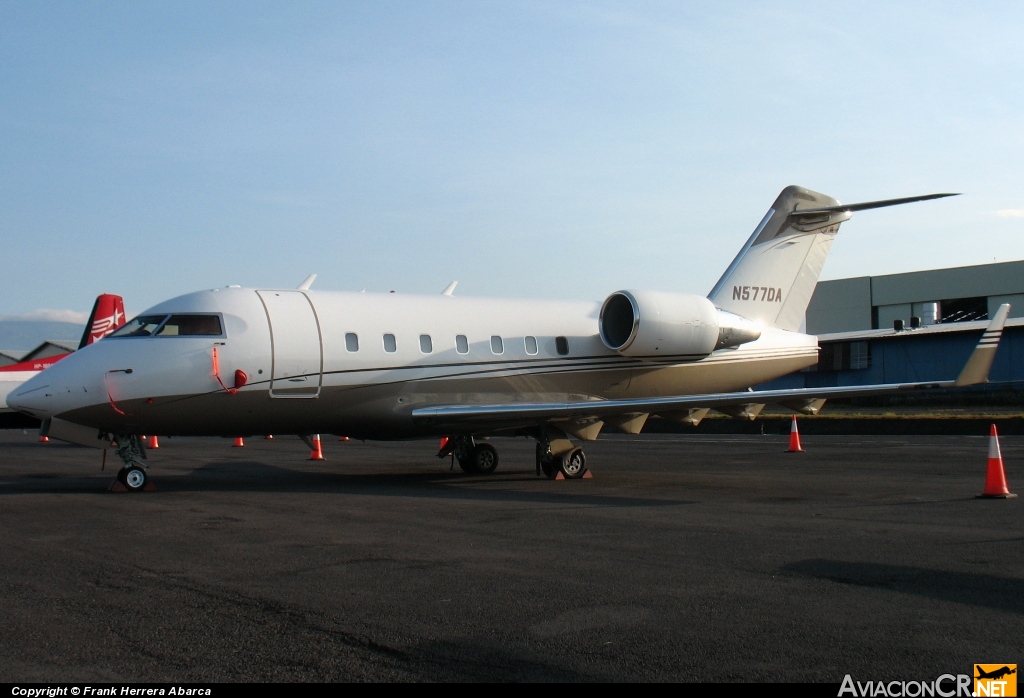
(304, 286)
(450, 288)
(978, 365)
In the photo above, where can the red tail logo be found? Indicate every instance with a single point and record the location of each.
(107, 316)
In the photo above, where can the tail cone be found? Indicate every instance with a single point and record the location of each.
(995, 479)
(239, 442)
(794, 438)
(317, 453)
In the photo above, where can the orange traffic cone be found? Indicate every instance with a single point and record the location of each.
(317, 453)
(44, 439)
(794, 438)
(239, 443)
(995, 479)
(344, 438)
(153, 442)
(269, 437)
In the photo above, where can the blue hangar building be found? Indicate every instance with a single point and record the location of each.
(916, 326)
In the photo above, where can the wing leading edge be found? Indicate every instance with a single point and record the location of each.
(975, 371)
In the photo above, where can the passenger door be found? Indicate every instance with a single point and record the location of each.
(296, 343)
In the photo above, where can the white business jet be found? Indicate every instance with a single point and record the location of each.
(236, 361)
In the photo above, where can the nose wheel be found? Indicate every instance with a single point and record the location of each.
(133, 478)
(133, 455)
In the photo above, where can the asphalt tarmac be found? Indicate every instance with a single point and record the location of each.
(685, 558)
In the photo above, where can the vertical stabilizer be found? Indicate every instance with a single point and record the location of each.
(772, 278)
(107, 315)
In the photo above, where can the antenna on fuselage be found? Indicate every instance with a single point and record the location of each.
(304, 286)
(449, 289)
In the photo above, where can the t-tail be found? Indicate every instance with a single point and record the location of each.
(772, 278)
(107, 315)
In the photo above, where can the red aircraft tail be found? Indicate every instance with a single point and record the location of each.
(107, 316)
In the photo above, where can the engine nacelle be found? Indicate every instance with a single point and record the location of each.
(649, 323)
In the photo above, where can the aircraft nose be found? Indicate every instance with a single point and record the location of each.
(34, 398)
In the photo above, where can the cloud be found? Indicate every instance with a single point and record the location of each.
(44, 315)
(1011, 213)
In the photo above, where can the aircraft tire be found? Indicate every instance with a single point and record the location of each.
(466, 464)
(133, 478)
(573, 464)
(483, 459)
(550, 467)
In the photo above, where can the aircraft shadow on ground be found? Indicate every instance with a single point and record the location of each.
(257, 476)
(988, 591)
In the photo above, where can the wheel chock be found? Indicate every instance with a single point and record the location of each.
(116, 486)
(587, 476)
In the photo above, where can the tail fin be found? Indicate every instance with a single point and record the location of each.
(107, 316)
(772, 278)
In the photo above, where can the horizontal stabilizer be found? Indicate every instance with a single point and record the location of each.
(850, 208)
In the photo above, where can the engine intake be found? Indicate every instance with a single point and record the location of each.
(648, 323)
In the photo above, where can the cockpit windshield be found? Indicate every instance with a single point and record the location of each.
(191, 326)
(142, 326)
(172, 326)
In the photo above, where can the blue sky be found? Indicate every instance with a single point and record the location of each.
(540, 149)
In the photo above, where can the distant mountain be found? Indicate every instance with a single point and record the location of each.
(24, 335)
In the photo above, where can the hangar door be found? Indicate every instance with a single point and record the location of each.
(296, 344)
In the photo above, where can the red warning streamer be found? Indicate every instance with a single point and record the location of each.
(216, 374)
(110, 398)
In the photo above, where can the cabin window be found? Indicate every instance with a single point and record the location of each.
(191, 326)
(142, 326)
(390, 345)
(561, 346)
(531, 345)
(496, 346)
(426, 346)
(352, 341)
(461, 344)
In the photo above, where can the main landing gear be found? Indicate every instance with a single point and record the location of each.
(133, 454)
(478, 459)
(570, 464)
(556, 455)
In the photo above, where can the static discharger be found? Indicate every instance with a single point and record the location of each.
(995, 478)
(794, 438)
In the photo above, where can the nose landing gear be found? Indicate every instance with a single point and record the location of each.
(132, 453)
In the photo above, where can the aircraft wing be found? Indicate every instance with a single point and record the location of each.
(975, 371)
